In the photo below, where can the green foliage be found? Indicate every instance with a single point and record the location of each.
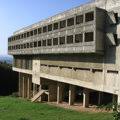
(12, 108)
(107, 107)
(116, 112)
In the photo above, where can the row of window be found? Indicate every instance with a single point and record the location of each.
(70, 39)
(58, 25)
(23, 63)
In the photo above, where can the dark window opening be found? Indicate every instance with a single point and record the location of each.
(31, 45)
(28, 45)
(31, 33)
(55, 41)
(49, 42)
(89, 16)
(24, 35)
(62, 40)
(35, 44)
(70, 21)
(21, 46)
(28, 34)
(97, 70)
(63, 24)
(43, 42)
(116, 17)
(25, 46)
(55, 26)
(44, 29)
(89, 37)
(70, 39)
(79, 19)
(39, 43)
(39, 30)
(35, 32)
(50, 27)
(78, 38)
(112, 71)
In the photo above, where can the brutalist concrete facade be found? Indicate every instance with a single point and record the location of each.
(76, 48)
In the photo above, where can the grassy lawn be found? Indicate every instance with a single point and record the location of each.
(16, 109)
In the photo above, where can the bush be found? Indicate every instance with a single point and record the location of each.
(15, 94)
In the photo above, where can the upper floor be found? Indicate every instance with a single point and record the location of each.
(87, 30)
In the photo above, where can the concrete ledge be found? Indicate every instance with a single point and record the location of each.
(22, 70)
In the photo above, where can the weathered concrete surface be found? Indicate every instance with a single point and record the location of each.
(99, 72)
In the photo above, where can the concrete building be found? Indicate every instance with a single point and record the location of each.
(73, 56)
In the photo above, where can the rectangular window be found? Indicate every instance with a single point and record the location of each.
(44, 29)
(35, 32)
(78, 38)
(43, 42)
(62, 40)
(31, 33)
(25, 46)
(21, 46)
(55, 26)
(24, 35)
(49, 42)
(35, 44)
(50, 27)
(31, 45)
(89, 16)
(79, 19)
(89, 37)
(70, 21)
(39, 43)
(55, 41)
(63, 24)
(39, 30)
(70, 39)
(112, 71)
(28, 45)
(28, 34)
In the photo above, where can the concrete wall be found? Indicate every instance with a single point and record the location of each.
(93, 71)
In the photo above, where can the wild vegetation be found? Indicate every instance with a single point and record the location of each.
(8, 79)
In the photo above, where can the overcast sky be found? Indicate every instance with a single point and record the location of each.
(16, 14)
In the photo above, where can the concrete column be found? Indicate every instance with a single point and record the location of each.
(23, 91)
(114, 98)
(20, 85)
(86, 98)
(71, 94)
(29, 84)
(100, 95)
(52, 92)
(34, 89)
(40, 98)
(24, 86)
(59, 92)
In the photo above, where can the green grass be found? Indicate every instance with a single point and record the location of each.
(17, 109)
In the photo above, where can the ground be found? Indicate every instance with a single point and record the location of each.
(19, 109)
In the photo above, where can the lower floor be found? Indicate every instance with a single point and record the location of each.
(59, 92)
